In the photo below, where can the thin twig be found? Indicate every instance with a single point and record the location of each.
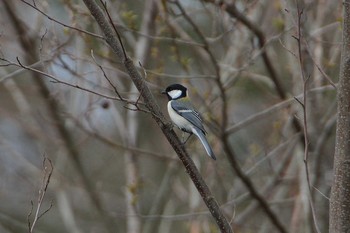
(106, 77)
(56, 80)
(113, 143)
(115, 44)
(232, 10)
(229, 151)
(114, 28)
(48, 169)
(318, 66)
(268, 111)
(304, 107)
(30, 214)
(60, 23)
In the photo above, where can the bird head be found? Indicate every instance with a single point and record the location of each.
(175, 91)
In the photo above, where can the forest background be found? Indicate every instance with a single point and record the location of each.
(80, 152)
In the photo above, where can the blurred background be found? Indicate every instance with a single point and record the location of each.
(79, 151)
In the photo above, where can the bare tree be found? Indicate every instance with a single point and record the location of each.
(340, 203)
(82, 85)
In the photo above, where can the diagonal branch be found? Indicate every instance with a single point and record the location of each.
(29, 45)
(232, 10)
(224, 137)
(59, 22)
(250, 186)
(115, 44)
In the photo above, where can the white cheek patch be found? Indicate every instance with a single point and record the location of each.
(175, 94)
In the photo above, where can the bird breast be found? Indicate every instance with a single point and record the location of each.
(178, 120)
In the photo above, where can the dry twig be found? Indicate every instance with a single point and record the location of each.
(47, 169)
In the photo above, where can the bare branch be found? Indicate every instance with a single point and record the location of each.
(304, 106)
(47, 169)
(60, 23)
(56, 80)
(114, 28)
(105, 75)
(268, 111)
(151, 104)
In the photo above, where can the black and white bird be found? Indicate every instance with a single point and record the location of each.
(184, 116)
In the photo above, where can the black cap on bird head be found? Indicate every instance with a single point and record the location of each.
(175, 91)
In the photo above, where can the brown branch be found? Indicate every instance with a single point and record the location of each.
(269, 188)
(60, 23)
(319, 67)
(29, 45)
(104, 4)
(224, 137)
(91, 132)
(304, 107)
(58, 81)
(250, 186)
(151, 104)
(271, 110)
(214, 63)
(106, 77)
(232, 10)
(48, 169)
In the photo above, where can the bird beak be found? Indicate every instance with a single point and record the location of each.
(163, 92)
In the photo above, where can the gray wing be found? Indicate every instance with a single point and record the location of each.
(186, 110)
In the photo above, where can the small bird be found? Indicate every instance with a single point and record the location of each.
(185, 116)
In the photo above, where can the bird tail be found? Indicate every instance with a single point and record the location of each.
(204, 141)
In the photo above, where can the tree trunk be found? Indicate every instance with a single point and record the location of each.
(340, 196)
